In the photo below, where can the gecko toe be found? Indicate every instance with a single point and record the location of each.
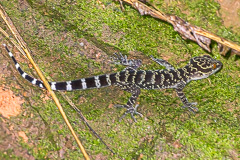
(132, 111)
(191, 108)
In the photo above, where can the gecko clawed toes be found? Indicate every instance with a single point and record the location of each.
(190, 107)
(132, 111)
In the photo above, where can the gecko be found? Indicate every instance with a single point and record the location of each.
(132, 80)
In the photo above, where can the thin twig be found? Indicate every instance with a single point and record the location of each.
(13, 42)
(12, 28)
(84, 119)
(219, 39)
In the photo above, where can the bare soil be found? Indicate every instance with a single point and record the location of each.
(230, 11)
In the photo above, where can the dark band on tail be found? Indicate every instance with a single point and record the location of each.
(84, 83)
(24, 74)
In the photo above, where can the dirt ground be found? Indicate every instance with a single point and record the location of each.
(230, 14)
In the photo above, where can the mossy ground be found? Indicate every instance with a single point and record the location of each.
(76, 38)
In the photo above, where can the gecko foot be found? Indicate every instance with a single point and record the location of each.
(130, 110)
(190, 107)
(123, 60)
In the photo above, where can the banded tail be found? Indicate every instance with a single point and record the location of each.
(83, 83)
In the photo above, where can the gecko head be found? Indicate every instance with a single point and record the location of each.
(203, 66)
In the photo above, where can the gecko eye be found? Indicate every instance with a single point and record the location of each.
(214, 66)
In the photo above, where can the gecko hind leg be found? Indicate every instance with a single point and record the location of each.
(130, 63)
(130, 110)
(162, 62)
(135, 91)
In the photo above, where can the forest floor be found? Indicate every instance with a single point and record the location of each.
(72, 39)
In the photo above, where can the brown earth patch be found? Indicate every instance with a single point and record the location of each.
(10, 105)
(230, 13)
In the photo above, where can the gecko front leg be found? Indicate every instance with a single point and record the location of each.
(184, 100)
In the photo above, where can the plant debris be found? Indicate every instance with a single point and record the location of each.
(186, 30)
